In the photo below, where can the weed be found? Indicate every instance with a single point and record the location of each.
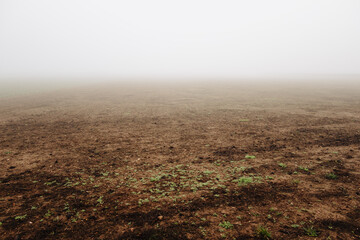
(48, 214)
(155, 179)
(311, 231)
(203, 231)
(283, 165)
(226, 225)
(244, 181)
(100, 200)
(50, 183)
(295, 225)
(21, 217)
(331, 176)
(263, 233)
(250, 157)
(141, 201)
(303, 168)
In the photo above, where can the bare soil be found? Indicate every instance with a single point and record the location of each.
(182, 161)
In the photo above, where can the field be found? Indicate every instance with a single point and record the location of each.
(182, 161)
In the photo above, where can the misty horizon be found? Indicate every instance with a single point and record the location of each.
(167, 40)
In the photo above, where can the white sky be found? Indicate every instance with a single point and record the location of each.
(187, 38)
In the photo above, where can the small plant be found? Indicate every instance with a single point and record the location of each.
(21, 217)
(100, 200)
(283, 165)
(295, 225)
(263, 233)
(244, 180)
(141, 201)
(155, 179)
(48, 214)
(50, 183)
(331, 176)
(250, 157)
(311, 231)
(226, 225)
(303, 168)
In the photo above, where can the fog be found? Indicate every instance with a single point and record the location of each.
(159, 39)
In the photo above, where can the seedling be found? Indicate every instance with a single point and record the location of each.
(244, 181)
(141, 201)
(263, 233)
(310, 231)
(250, 157)
(331, 176)
(155, 179)
(303, 168)
(283, 165)
(100, 200)
(48, 214)
(226, 225)
(50, 183)
(21, 217)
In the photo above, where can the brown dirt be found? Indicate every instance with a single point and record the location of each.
(167, 162)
